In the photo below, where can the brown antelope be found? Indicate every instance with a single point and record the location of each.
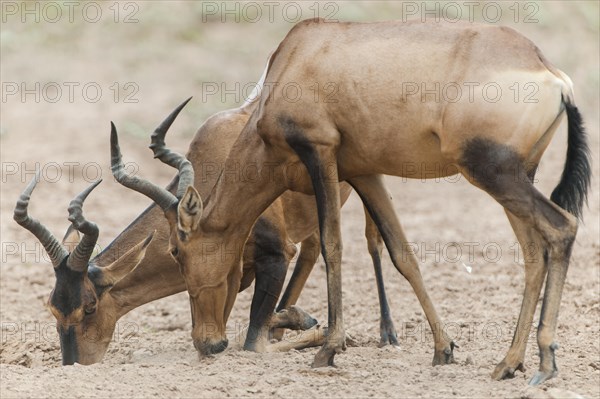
(133, 270)
(371, 127)
(292, 218)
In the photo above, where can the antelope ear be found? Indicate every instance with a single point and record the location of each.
(126, 263)
(189, 211)
(71, 239)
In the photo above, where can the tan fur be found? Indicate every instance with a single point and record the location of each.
(140, 273)
(370, 128)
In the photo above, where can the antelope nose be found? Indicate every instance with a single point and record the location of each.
(68, 361)
(206, 348)
(68, 346)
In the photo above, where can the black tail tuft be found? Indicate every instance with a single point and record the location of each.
(572, 190)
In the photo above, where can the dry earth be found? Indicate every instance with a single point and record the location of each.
(168, 54)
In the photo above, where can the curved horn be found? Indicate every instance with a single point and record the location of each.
(78, 260)
(56, 251)
(178, 161)
(159, 195)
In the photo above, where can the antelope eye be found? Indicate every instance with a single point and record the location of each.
(91, 308)
(174, 252)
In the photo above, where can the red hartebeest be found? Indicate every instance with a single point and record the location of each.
(363, 125)
(88, 300)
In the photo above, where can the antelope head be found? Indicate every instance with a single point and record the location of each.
(85, 312)
(189, 243)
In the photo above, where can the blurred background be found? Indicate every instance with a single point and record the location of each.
(68, 69)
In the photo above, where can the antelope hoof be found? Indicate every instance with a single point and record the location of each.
(255, 345)
(388, 335)
(444, 356)
(547, 365)
(324, 357)
(332, 347)
(506, 370)
(542, 376)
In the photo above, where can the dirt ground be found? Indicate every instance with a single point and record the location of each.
(172, 52)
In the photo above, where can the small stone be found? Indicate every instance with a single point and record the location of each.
(140, 354)
(556, 393)
(469, 360)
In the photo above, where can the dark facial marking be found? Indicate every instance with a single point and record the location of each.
(68, 345)
(182, 235)
(66, 296)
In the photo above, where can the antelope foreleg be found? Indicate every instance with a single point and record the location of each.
(309, 253)
(270, 260)
(320, 161)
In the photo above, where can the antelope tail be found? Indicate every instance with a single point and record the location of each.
(572, 190)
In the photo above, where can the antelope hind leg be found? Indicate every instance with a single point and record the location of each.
(535, 271)
(510, 186)
(376, 199)
(387, 332)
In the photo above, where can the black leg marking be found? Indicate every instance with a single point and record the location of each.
(500, 171)
(386, 325)
(296, 139)
(271, 265)
(327, 194)
(509, 185)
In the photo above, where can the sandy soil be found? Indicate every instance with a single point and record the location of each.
(168, 55)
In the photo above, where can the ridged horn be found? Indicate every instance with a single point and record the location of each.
(52, 246)
(177, 161)
(159, 195)
(79, 258)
